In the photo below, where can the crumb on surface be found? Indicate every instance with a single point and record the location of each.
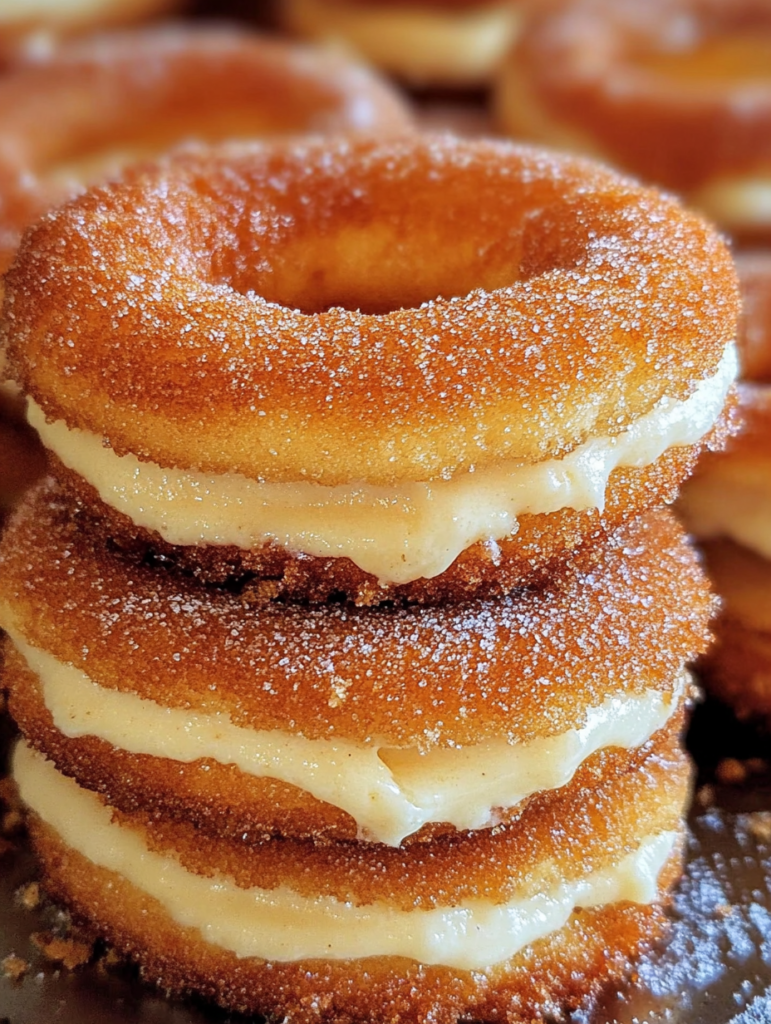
(14, 967)
(28, 896)
(69, 952)
(759, 825)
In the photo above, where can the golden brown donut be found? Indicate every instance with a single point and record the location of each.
(619, 817)
(364, 417)
(80, 114)
(29, 27)
(754, 339)
(727, 505)
(385, 681)
(675, 91)
(455, 43)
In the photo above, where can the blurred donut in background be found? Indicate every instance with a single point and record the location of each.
(677, 92)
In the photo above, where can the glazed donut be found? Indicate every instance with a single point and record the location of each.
(372, 426)
(81, 114)
(432, 42)
(396, 687)
(675, 91)
(487, 925)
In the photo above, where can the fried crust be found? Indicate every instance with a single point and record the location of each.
(576, 300)
(537, 552)
(625, 619)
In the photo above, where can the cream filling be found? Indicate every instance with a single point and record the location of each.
(741, 201)
(399, 533)
(730, 500)
(420, 43)
(390, 792)
(280, 924)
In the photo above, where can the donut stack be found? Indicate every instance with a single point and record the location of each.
(727, 505)
(347, 638)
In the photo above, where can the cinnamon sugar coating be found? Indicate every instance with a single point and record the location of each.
(557, 972)
(676, 91)
(625, 618)
(573, 301)
(79, 115)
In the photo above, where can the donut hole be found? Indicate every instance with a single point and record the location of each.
(376, 253)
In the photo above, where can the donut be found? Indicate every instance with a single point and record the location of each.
(675, 91)
(455, 43)
(727, 505)
(28, 29)
(500, 924)
(444, 427)
(218, 731)
(754, 339)
(79, 115)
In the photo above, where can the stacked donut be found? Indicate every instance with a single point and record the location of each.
(77, 115)
(727, 506)
(357, 685)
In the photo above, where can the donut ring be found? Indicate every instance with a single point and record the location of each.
(376, 678)
(572, 962)
(82, 113)
(675, 91)
(389, 404)
(432, 42)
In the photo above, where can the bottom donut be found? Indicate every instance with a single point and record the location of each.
(192, 918)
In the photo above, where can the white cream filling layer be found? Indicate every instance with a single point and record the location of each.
(419, 43)
(280, 924)
(390, 792)
(741, 201)
(731, 500)
(399, 533)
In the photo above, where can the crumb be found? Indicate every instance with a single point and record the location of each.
(705, 796)
(724, 910)
(760, 825)
(110, 959)
(14, 967)
(11, 822)
(731, 772)
(70, 952)
(29, 896)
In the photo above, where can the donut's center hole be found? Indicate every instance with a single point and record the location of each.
(375, 270)
(738, 58)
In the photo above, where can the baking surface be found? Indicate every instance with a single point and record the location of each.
(715, 968)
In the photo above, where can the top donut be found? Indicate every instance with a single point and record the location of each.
(387, 315)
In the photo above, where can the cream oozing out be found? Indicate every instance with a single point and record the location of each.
(732, 498)
(280, 924)
(416, 41)
(399, 533)
(390, 792)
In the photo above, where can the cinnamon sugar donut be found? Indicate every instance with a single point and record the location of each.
(432, 42)
(27, 26)
(169, 696)
(509, 923)
(676, 91)
(728, 507)
(577, 356)
(79, 115)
